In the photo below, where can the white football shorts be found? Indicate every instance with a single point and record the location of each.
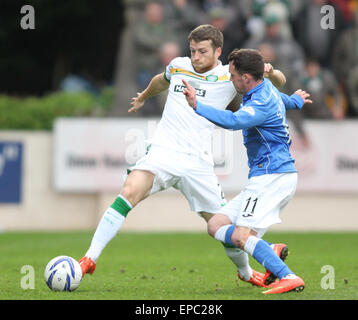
(193, 176)
(258, 206)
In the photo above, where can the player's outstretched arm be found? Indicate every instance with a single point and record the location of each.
(277, 78)
(296, 100)
(304, 95)
(156, 85)
(243, 118)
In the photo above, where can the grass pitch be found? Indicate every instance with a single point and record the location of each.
(176, 266)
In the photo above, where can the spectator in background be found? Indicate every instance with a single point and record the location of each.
(287, 53)
(346, 8)
(232, 29)
(345, 57)
(259, 6)
(244, 7)
(280, 10)
(150, 34)
(168, 51)
(271, 55)
(183, 16)
(328, 99)
(254, 13)
(352, 6)
(316, 41)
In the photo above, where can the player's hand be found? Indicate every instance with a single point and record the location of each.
(277, 78)
(268, 70)
(304, 95)
(136, 103)
(190, 94)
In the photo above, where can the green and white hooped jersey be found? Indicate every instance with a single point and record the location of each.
(181, 128)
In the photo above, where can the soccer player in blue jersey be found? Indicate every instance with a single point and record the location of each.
(272, 176)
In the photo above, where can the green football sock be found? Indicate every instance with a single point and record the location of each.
(109, 226)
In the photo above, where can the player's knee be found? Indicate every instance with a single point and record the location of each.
(239, 242)
(129, 193)
(239, 238)
(213, 226)
(216, 222)
(137, 186)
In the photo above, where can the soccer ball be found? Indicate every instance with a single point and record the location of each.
(63, 273)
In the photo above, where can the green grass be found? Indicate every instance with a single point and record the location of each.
(174, 266)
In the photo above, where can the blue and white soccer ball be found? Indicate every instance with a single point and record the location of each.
(63, 273)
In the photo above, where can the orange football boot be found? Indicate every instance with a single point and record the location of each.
(286, 284)
(281, 251)
(257, 279)
(87, 265)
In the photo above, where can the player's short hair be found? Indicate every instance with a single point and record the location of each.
(207, 32)
(248, 61)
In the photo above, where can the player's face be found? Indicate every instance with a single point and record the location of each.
(239, 81)
(203, 56)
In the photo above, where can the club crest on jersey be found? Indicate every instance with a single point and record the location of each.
(212, 78)
(198, 92)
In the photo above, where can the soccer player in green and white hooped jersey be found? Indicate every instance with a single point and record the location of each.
(180, 155)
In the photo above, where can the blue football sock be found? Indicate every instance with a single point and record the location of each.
(228, 235)
(267, 242)
(261, 251)
(264, 254)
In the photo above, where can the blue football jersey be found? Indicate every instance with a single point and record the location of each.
(262, 119)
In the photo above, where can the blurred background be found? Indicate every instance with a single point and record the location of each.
(66, 83)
